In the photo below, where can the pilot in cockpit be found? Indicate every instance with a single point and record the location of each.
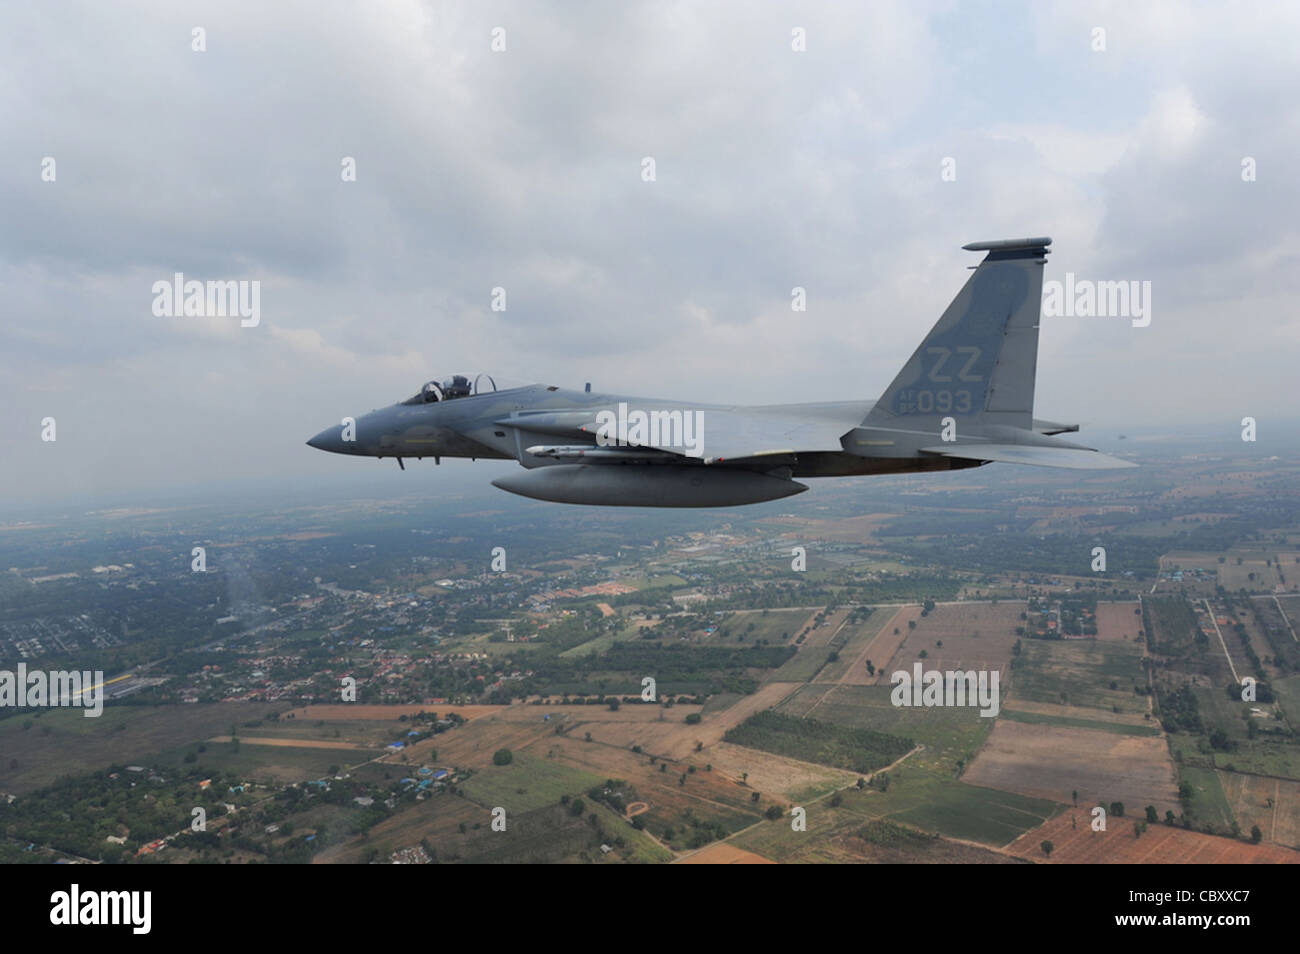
(455, 387)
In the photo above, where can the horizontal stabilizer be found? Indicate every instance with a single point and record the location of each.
(1051, 427)
(1073, 458)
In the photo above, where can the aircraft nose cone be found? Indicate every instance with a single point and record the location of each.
(330, 439)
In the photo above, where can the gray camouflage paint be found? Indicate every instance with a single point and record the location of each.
(976, 366)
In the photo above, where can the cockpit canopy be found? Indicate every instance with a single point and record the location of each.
(452, 387)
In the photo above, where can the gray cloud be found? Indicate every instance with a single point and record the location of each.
(522, 169)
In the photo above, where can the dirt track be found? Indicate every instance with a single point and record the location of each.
(347, 712)
(290, 743)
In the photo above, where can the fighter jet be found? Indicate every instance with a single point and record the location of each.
(965, 398)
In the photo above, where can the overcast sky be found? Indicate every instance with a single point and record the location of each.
(523, 168)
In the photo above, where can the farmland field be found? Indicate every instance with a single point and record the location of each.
(1054, 762)
(1272, 804)
(776, 626)
(851, 643)
(1076, 843)
(1209, 804)
(885, 842)
(979, 814)
(1288, 697)
(677, 799)
(803, 665)
(526, 783)
(36, 756)
(948, 734)
(919, 799)
(353, 711)
(724, 853)
(1040, 718)
(1092, 673)
(665, 732)
(1174, 626)
(1083, 713)
(545, 834)
(856, 750)
(1218, 711)
(973, 636)
(882, 647)
(263, 762)
(774, 774)
(472, 745)
(1118, 621)
(821, 634)
(1262, 757)
(598, 645)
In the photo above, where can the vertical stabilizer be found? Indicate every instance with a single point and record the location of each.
(977, 364)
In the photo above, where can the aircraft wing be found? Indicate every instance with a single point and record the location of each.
(731, 435)
(724, 434)
(1073, 458)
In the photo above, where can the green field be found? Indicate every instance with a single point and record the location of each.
(527, 783)
(776, 840)
(803, 665)
(1119, 728)
(921, 799)
(1288, 697)
(1081, 673)
(538, 836)
(262, 762)
(850, 641)
(460, 832)
(601, 643)
(978, 814)
(653, 581)
(1218, 711)
(948, 734)
(814, 740)
(1208, 805)
(776, 626)
(54, 739)
(1261, 757)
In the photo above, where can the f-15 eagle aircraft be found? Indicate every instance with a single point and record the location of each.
(964, 398)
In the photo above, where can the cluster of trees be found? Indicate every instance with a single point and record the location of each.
(858, 750)
(616, 793)
(1179, 711)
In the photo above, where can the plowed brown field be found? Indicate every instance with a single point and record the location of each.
(1160, 844)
